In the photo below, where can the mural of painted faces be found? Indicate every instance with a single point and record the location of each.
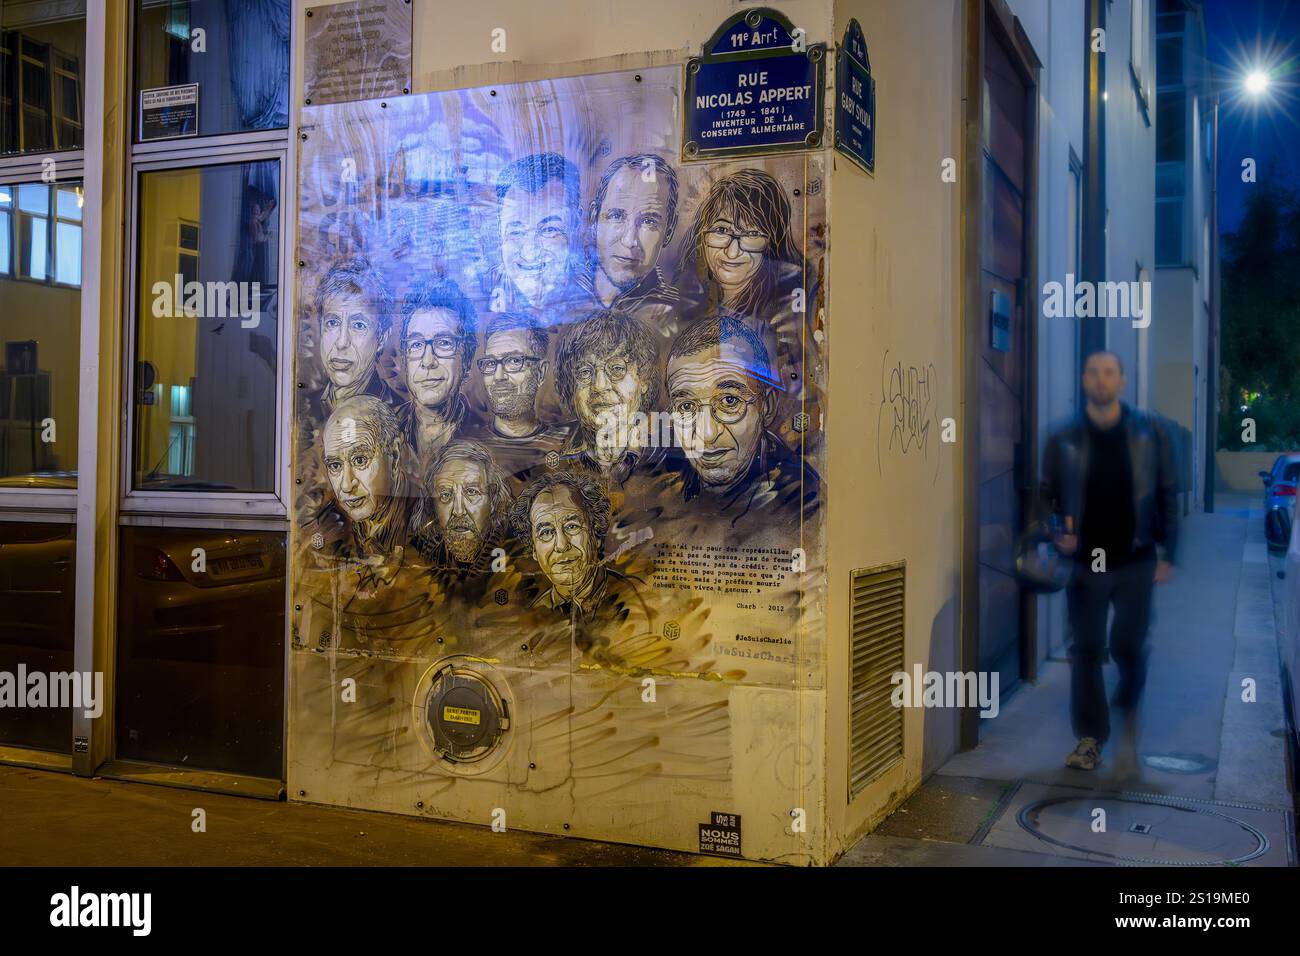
(562, 539)
(362, 453)
(721, 399)
(634, 219)
(538, 198)
(513, 366)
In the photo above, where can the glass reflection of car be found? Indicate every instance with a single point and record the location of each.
(241, 575)
(1280, 499)
(37, 571)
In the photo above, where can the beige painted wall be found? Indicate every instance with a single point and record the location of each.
(894, 297)
(1239, 470)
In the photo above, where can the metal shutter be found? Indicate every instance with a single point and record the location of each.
(876, 653)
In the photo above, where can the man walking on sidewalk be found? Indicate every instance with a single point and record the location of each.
(1110, 477)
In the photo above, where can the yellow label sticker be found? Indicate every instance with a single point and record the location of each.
(460, 715)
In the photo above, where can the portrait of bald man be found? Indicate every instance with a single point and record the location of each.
(366, 461)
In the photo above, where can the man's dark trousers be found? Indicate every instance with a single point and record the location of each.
(1129, 588)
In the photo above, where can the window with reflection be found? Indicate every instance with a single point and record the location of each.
(42, 57)
(237, 51)
(206, 329)
(40, 326)
(200, 649)
(37, 598)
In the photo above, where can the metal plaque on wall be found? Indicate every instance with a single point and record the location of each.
(855, 99)
(756, 90)
(359, 50)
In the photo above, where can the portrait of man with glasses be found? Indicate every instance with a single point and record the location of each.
(513, 367)
(437, 346)
(723, 396)
(607, 378)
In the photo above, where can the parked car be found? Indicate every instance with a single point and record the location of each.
(1290, 642)
(1279, 500)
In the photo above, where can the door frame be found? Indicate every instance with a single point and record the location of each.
(995, 17)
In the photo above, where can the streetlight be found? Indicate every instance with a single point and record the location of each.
(1257, 83)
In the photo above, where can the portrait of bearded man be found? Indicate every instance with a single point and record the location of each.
(461, 518)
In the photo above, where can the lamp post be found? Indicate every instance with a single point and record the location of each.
(1255, 85)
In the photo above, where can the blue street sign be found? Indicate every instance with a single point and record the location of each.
(855, 99)
(757, 89)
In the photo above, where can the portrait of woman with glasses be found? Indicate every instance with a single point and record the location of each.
(740, 247)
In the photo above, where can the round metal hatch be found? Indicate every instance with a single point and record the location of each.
(465, 716)
(1144, 831)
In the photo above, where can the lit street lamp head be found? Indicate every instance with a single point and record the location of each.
(1257, 83)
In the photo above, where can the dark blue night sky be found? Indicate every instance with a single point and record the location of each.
(1244, 35)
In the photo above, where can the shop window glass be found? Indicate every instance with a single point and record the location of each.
(206, 329)
(42, 57)
(237, 51)
(40, 326)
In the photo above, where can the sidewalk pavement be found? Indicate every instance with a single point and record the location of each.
(55, 819)
(1012, 801)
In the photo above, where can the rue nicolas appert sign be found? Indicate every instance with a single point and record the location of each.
(756, 89)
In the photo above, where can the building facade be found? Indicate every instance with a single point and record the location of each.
(1187, 245)
(270, 350)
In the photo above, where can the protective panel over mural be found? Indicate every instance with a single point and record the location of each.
(557, 552)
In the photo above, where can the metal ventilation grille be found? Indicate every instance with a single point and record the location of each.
(876, 648)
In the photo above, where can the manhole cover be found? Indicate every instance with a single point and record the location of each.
(1140, 831)
(1177, 763)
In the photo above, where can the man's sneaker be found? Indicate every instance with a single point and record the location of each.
(1086, 756)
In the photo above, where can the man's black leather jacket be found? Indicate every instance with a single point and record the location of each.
(1155, 479)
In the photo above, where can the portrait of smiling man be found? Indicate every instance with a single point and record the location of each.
(438, 344)
(354, 310)
(723, 398)
(539, 198)
(564, 516)
(633, 218)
